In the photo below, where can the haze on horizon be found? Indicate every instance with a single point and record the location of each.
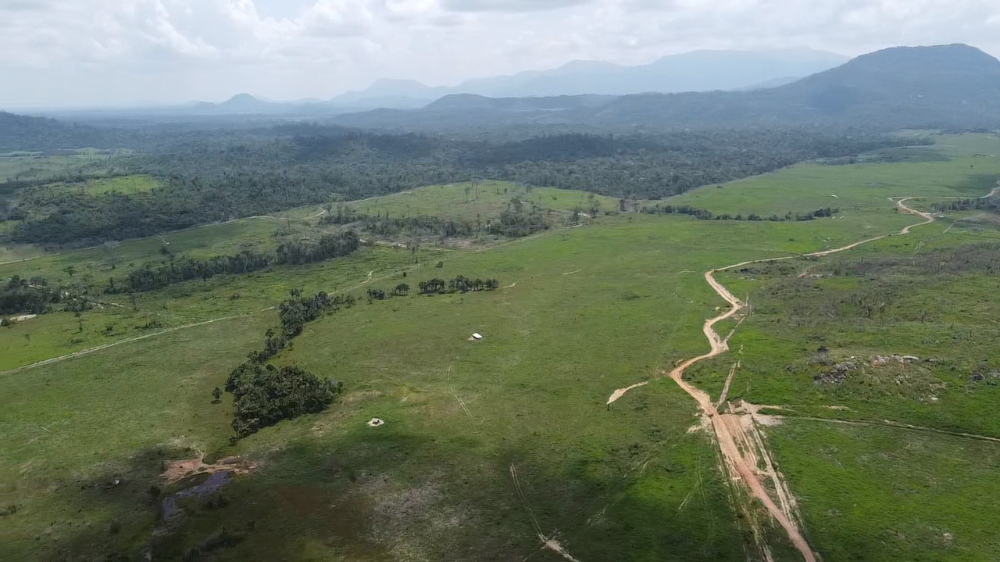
(107, 52)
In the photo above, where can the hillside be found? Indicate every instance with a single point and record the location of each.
(907, 87)
(943, 86)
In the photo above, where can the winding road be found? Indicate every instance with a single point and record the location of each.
(737, 440)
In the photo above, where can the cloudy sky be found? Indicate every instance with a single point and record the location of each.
(89, 52)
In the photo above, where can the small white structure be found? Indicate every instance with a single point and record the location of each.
(376, 423)
(477, 337)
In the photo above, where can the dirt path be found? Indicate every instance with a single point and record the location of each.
(729, 384)
(898, 425)
(741, 444)
(27, 259)
(83, 352)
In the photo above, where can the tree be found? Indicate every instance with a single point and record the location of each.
(217, 395)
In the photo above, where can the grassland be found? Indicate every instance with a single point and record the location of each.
(488, 445)
(487, 199)
(125, 185)
(22, 165)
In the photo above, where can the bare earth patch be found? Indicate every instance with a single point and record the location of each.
(179, 470)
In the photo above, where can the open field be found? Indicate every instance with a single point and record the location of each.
(125, 185)
(37, 166)
(492, 449)
(452, 201)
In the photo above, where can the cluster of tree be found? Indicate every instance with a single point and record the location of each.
(329, 246)
(28, 296)
(263, 395)
(298, 311)
(418, 226)
(979, 204)
(517, 222)
(177, 270)
(460, 284)
(211, 176)
(704, 214)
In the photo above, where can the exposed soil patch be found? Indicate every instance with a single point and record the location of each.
(179, 470)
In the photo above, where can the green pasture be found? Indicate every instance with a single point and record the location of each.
(463, 201)
(25, 166)
(881, 493)
(124, 185)
(970, 168)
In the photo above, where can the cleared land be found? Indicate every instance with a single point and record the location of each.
(493, 450)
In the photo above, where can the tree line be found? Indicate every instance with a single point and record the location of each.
(151, 277)
(28, 296)
(705, 214)
(389, 227)
(460, 284)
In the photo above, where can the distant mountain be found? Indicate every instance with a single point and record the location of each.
(694, 71)
(934, 87)
(940, 86)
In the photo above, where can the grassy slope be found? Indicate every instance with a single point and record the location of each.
(451, 201)
(435, 482)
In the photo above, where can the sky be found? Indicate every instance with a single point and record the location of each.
(78, 53)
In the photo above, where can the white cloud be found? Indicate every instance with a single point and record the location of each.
(118, 50)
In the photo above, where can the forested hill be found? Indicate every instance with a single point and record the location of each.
(19, 132)
(950, 86)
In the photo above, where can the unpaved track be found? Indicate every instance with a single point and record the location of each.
(81, 353)
(121, 342)
(738, 440)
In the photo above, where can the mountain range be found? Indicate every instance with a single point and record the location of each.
(693, 71)
(696, 71)
(932, 87)
(938, 87)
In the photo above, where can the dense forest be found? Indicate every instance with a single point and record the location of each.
(222, 176)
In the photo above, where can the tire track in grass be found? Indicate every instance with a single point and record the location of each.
(99, 348)
(91, 350)
(739, 442)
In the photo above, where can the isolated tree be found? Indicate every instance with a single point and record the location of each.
(217, 395)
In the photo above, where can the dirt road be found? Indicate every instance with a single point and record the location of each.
(740, 443)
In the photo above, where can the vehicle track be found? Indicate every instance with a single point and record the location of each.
(739, 442)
